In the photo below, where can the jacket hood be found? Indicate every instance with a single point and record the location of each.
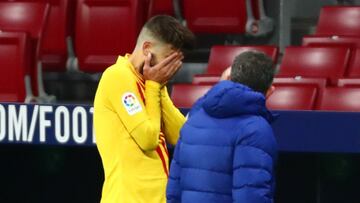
(229, 99)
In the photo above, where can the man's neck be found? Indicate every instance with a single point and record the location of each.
(136, 59)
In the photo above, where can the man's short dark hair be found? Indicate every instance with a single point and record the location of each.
(253, 69)
(169, 30)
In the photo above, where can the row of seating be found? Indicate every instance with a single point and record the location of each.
(289, 94)
(322, 61)
(88, 35)
(322, 74)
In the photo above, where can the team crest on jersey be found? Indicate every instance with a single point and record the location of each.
(131, 103)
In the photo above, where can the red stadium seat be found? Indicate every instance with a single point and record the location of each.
(54, 48)
(205, 79)
(353, 70)
(29, 17)
(203, 16)
(104, 30)
(13, 59)
(222, 57)
(349, 82)
(293, 98)
(354, 66)
(320, 40)
(185, 95)
(160, 7)
(339, 20)
(318, 83)
(315, 62)
(340, 99)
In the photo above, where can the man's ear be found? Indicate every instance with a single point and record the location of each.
(226, 74)
(270, 91)
(146, 48)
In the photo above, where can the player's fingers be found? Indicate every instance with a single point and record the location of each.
(147, 61)
(167, 60)
(173, 68)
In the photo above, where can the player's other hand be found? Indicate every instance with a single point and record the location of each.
(164, 70)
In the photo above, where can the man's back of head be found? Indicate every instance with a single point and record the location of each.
(253, 69)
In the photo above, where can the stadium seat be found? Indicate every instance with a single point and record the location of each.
(205, 79)
(320, 40)
(349, 82)
(339, 20)
(29, 17)
(13, 59)
(227, 17)
(340, 99)
(354, 65)
(293, 98)
(203, 16)
(54, 53)
(222, 57)
(315, 62)
(104, 30)
(318, 83)
(185, 95)
(160, 7)
(353, 70)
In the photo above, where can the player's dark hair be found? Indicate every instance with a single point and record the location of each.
(253, 69)
(169, 30)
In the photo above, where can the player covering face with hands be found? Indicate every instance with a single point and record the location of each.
(134, 118)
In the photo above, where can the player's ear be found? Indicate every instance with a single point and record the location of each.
(226, 74)
(146, 48)
(270, 91)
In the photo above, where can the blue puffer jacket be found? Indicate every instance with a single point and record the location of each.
(227, 150)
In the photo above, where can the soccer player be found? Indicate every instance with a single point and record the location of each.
(134, 118)
(227, 149)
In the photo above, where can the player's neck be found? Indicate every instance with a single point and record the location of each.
(137, 60)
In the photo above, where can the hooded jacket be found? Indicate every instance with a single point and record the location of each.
(226, 151)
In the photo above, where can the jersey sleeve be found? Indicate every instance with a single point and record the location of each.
(143, 123)
(172, 118)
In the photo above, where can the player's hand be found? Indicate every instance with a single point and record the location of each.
(163, 71)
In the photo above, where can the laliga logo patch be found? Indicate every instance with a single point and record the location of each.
(131, 103)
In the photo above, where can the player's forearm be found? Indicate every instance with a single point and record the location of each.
(172, 118)
(147, 133)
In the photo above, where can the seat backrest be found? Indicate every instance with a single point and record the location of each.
(160, 7)
(318, 62)
(353, 70)
(318, 83)
(319, 40)
(339, 20)
(222, 57)
(349, 82)
(29, 17)
(54, 49)
(13, 51)
(24, 16)
(340, 99)
(354, 65)
(205, 79)
(203, 16)
(293, 98)
(185, 95)
(104, 30)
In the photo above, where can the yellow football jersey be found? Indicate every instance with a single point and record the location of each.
(133, 121)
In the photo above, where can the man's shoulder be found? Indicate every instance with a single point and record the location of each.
(257, 132)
